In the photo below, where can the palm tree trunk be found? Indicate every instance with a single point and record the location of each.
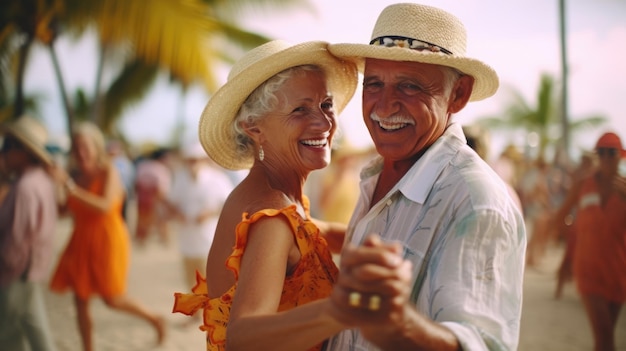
(180, 119)
(66, 101)
(96, 113)
(19, 105)
(564, 77)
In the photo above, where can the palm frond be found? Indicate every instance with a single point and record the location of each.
(589, 121)
(172, 34)
(130, 86)
(233, 9)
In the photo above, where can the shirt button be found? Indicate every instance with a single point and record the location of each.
(389, 202)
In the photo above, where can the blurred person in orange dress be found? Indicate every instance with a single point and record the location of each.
(599, 259)
(270, 269)
(96, 259)
(153, 180)
(28, 217)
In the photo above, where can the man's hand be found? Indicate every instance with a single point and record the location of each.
(373, 288)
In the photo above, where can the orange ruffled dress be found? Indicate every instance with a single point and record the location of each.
(599, 260)
(96, 259)
(312, 279)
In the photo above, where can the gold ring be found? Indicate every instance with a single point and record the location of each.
(354, 299)
(374, 303)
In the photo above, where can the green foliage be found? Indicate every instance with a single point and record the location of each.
(541, 118)
(130, 87)
(181, 38)
(81, 104)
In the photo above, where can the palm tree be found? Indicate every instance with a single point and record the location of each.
(20, 24)
(183, 38)
(541, 119)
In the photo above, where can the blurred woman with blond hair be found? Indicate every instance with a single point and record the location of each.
(96, 259)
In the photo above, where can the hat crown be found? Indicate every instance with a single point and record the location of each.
(257, 54)
(610, 140)
(31, 130)
(32, 134)
(425, 23)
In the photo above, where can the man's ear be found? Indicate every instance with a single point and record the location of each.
(461, 93)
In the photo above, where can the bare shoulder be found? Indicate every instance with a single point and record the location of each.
(248, 197)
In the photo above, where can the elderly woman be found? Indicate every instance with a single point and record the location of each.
(277, 115)
(96, 259)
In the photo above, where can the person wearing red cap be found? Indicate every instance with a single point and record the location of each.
(600, 252)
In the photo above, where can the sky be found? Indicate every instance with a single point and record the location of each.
(518, 38)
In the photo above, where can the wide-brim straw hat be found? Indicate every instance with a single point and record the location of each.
(32, 134)
(255, 67)
(419, 33)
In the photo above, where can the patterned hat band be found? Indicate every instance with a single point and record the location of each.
(410, 43)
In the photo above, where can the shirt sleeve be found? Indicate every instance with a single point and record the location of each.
(475, 281)
(25, 222)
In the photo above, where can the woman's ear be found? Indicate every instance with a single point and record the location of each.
(252, 130)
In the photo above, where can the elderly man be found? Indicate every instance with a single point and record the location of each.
(28, 214)
(430, 199)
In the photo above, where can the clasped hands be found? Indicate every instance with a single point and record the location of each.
(374, 285)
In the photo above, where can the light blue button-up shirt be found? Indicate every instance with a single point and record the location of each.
(453, 204)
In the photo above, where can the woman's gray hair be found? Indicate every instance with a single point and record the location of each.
(259, 103)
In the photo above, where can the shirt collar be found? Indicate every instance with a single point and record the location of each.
(419, 180)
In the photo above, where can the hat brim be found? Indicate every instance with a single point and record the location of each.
(37, 150)
(486, 80)
(215, 130)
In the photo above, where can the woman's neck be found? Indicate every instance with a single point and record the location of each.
(286, 181)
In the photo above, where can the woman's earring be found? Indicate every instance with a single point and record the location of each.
(261, 153)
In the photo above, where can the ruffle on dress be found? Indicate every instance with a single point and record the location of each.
(312, 278)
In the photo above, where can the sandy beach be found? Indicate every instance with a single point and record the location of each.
(547, 324)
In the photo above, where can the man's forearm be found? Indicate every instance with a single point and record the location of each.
(414, 332)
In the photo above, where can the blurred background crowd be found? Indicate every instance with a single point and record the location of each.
(135, 49)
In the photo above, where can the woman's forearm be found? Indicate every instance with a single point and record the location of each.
(297, 329)
(94, 201)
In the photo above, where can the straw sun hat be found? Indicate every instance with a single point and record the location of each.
(413, 32)
(32, 134)
(255, 67)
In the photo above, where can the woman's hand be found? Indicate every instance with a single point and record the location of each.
(374, 287)
(58, 174)
(62, 178)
